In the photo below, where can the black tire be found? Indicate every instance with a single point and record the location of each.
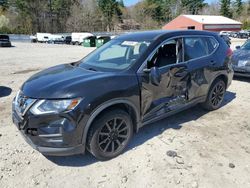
(215, 95)
(110, 134)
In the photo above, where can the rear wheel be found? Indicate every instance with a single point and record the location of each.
(110, 134)
(215, 95)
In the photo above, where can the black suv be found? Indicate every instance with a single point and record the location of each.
(5, 41)
(133, 80)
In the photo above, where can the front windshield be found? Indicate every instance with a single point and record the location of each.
(115, 55)
(246, 46)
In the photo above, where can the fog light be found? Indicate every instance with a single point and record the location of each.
(57, 127)
(32, 132)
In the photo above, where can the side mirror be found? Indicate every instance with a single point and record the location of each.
(155, 76)
(237, 47)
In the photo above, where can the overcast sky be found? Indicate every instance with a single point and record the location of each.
(132, 2)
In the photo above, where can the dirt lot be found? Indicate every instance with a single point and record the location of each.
(213, 148)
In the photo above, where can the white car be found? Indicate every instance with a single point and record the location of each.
(77, 38)
(43, 37)
(227, 33)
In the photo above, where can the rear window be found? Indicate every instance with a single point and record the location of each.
(197, 47)
(212, 44)
(4, 37)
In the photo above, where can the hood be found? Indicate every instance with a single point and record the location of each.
(62, 81)
(241, 55)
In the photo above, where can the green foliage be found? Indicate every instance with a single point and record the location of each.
(154, 8)
(109, 9)
(121, 3)
(193, 6)
(239, 7)
(3, 21)
(246, 25)
(248, 7)
(5, 30)
(225, 9)
(31, 16)
(60, 9)
(4, 5)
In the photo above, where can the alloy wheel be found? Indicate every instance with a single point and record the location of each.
(217, 94)
(113, 135)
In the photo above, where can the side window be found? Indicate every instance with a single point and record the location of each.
(169, 53)
(195, 47)
(212, 44)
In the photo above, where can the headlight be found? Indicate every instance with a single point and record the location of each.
(54, 106)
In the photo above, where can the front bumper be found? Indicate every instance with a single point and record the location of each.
(242, 71)
(5, 44)
(56, 135)
(54, 151)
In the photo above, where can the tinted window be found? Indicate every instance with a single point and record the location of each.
(212, 44)
(195, 47)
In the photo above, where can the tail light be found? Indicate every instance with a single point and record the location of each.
(229, 52)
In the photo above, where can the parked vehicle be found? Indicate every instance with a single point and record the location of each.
(99, 102)
(5, 41)
(43, 37)
(242, 35)
(227, 33)
(68, 40)
(234, 34)
(241, 60)
(33, 39)
(77, 38)
(56, 39)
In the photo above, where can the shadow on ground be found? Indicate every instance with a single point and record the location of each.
(145, 133)
(5, 91)
(242, 79)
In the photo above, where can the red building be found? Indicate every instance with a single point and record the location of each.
(203, 22)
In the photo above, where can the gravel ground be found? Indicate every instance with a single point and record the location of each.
(192, 149)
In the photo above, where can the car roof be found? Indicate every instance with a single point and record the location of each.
(1, 35)
(155, 34)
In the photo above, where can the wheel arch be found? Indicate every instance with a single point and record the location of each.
(109, 105)
(222, 77)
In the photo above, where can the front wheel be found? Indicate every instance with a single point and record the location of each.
(215, 95)
(110, 134)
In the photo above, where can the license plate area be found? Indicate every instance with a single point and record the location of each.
(240, 69)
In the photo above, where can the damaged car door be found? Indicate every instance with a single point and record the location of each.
(164, 81)
(198, 54)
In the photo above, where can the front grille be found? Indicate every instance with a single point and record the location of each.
(23, 103)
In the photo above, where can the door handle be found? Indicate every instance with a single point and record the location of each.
(213, 63)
